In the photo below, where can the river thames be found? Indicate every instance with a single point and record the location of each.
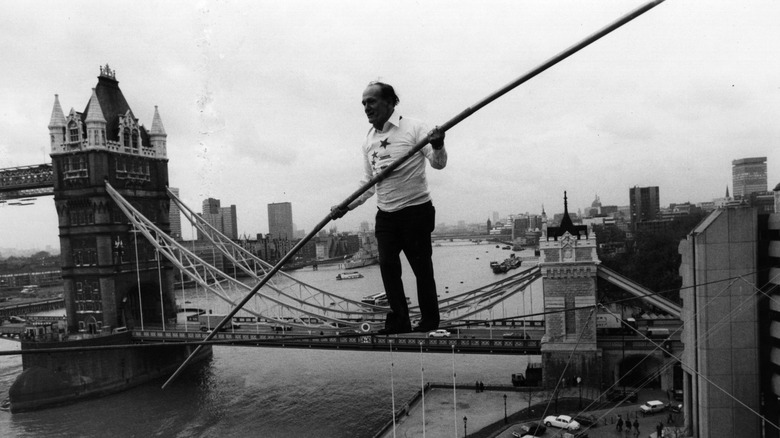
(276, 392)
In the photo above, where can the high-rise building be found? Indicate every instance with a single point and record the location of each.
(224, 219)
(645, 203)
(748, 176)
(211, 206)
(174, 216)
(280, 221)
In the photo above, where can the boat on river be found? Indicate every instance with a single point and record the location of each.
(362, 258)
(511, 263)
(349, 275)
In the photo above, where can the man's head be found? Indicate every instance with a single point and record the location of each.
(379, 101)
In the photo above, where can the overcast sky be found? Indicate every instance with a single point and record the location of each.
(261, 99)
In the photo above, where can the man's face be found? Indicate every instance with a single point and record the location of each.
(377, 109)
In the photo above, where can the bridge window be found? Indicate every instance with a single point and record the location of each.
(73, 127)
(135, 139)
(126, 138)
(570, 316)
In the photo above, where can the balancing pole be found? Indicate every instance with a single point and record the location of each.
(386, 172)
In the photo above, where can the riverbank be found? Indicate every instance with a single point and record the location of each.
(482, 414)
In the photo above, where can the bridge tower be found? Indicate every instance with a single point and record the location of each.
(111, 276)
(568, 263)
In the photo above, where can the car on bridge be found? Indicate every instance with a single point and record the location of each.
(561, 422)
(439, 334)
(652, 407)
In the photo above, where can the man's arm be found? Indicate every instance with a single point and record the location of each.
(438, 156)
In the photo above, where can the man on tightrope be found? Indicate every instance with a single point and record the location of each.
(405, 216)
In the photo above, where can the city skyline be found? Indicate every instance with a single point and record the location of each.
(260, 102)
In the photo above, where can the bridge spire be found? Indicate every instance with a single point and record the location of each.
(96, 122)
(57, 124)
(57, 116)
(157, 135)
(157, 125)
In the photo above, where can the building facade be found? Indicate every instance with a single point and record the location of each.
(223, 219)
(731, 361)
(644, 203)
(748, 176)
(174, 216)
(280, 220)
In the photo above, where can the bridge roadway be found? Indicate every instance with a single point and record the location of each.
(462, 343)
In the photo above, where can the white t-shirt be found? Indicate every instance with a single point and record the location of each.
(407, 184)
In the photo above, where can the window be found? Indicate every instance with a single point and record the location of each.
(126, 137)
(135, 139)
(73, 127)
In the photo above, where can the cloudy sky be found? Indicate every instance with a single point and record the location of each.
(261, 99)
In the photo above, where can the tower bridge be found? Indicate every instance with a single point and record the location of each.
(109, 179)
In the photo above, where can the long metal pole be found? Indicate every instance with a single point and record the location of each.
(386, 172)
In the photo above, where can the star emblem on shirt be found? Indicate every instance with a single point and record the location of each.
(384, 143)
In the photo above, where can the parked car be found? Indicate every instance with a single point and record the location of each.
(675, 407)
(652, 407)
(586, 420)
(580, 434)
(534, 429)
(618, 395)
(439, 334)
(561, 422)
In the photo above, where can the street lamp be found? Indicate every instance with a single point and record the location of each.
(504, 408)
(465, 431)
(579, 383)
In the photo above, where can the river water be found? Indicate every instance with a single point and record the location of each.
(276, 392)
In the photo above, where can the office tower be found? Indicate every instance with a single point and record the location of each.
(280, 222)
(645, 203)
(211, 206)
(174, 216)
(748, 176)
(224, 219)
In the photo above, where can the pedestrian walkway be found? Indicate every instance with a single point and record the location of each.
(474, 411)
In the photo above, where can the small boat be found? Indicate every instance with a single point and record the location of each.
(5, 405)
(349, 276)
(362, 258)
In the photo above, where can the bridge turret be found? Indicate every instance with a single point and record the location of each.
(96, 123)
(568, 262)
(57, 126)
(110, 275)
(157, 135)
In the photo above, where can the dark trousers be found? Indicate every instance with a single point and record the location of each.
(408, 230)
